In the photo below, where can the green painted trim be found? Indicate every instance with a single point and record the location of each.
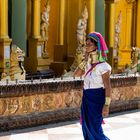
(19, 23)
(100, 17)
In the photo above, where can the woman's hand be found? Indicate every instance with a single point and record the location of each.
(105, 111)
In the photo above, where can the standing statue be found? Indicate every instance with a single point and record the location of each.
(117, 40)
(44, 27)
(81, 28)
(81, 40)
(117, 33)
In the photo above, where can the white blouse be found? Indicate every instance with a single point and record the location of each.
(94, 78)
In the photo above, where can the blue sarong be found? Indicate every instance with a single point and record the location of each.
(91, 112)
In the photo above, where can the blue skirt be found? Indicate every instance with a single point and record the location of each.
(91, 112)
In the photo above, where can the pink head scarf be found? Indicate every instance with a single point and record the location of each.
(102, 47)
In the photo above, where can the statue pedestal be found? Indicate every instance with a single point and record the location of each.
(5, 55)
(43, 64)
(35, 60)
(58, 67)
(60, 59)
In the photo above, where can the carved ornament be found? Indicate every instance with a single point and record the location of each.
(130, 1)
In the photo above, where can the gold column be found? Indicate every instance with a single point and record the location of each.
(4, 19)
(59, 63)
(129, 26)
(62, 21)
(4, 39)
(36, 18)
(138, 25)
(91, 21)
(34, 41)
(112, 23)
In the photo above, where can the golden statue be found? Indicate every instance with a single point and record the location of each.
(134, 67)
(81, 40)
(117, 34)
(17, 70)
(117, 41)
(81, 28)
(44, 27)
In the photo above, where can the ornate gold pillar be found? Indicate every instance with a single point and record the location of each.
(4, 38)
(129, 15)
(127, 33)
(110, 29)
(36, 18)
(4, 19)
(91, 11)
(130, 23)
(60, 63)
(138, 25)
(62, 22)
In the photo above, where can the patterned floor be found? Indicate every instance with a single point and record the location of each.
(124, 126)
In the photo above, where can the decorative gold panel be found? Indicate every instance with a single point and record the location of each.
(39, 103)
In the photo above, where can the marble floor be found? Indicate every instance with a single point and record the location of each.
(120, 126)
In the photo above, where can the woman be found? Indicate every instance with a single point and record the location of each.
(96, 93)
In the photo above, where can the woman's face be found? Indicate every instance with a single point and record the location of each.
(90, 46)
